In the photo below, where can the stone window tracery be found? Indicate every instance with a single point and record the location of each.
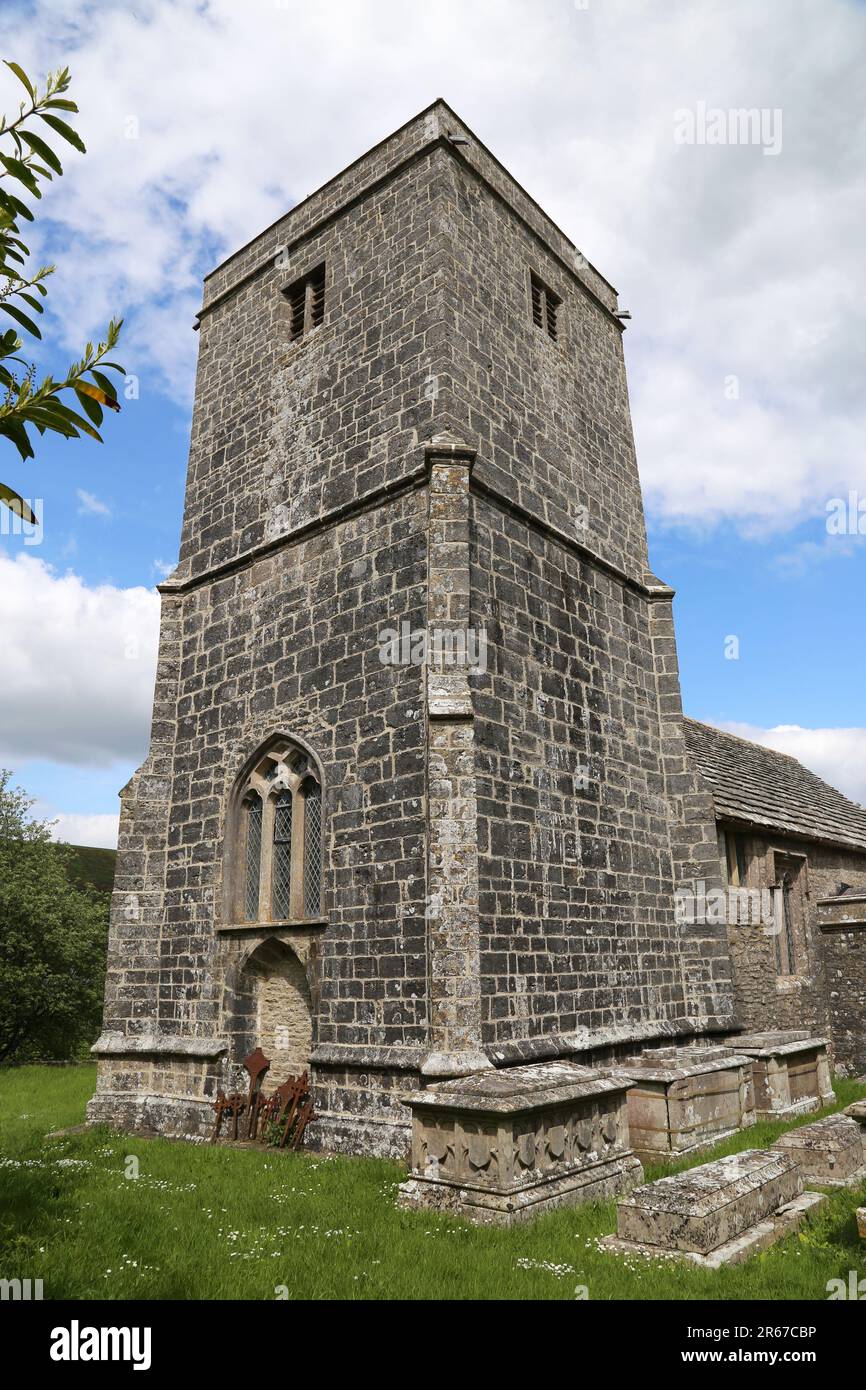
(279, 838)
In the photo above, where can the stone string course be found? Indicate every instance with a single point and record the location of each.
(500, 846)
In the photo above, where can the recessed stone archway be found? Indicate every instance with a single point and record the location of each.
(270, 1006)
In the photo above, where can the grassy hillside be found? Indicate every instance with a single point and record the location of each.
(93, 866)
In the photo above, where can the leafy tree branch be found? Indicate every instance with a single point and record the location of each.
(27, 159)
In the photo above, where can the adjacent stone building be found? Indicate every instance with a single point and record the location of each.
(418, 798)
(786, 833)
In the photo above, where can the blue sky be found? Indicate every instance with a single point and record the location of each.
(734, 263)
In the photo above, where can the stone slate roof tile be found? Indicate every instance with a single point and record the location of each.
(764, 788)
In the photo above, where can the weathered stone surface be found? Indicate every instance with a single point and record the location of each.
(708, 1206)
(861, 1222)
(718, 1213)
(857, 1112)
(154, 1044)
(500, 846)
(686, 1098)
(829, 1153)
(791, 1072)
(779, 823)
(502, 1146)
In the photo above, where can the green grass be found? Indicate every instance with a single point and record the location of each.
(93, 867)
(211, 1223)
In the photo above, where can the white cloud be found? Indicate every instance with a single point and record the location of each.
(96, 830)
(90, 505)
(78, 667)
(732, 263)
(804, 558)
(837, 755)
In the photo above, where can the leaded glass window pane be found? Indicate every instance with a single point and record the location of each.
(281, 884)
(253, 859)
(313, 850)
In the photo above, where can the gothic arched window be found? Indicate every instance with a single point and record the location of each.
(279, 838)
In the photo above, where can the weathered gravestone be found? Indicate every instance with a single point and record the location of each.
(828, 1153)
(686, 1098)
(791, 1072)
(502, 1146)
(719, 1213)
(857, 1112)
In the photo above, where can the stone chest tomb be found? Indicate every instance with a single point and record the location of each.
(499, 1147)
(375, 858)
(682, 1099)
(718, 1213)
(791, 1072)
(829, 1152)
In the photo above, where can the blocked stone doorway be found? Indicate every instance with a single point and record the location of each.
(273, 1010)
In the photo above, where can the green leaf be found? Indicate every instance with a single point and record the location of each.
(106, 383)
(29, 299)
(21, 208)
(89, 406)
(21, 318)
(14, 430)
(45, 419)
(43, 150)
(16, 504)
(62, 104)
(79, 421)
(20, 172)
(22, 77)
(65, 130)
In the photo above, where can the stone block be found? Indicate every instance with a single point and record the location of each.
(857, 1112)
(684, 1099)
(829, 1153)
(791, 1072)
(500, 1147)
(718, 1213)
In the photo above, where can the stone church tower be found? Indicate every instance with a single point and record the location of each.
(417, 796)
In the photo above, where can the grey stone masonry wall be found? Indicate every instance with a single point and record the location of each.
(826, 992)
(425, 456)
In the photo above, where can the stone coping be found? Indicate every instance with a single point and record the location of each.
(648, 1069)
(781, 1044)
(557, 1045)
(516, 1089)
(271, 928)
(157, 1044)
(398, 1056)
